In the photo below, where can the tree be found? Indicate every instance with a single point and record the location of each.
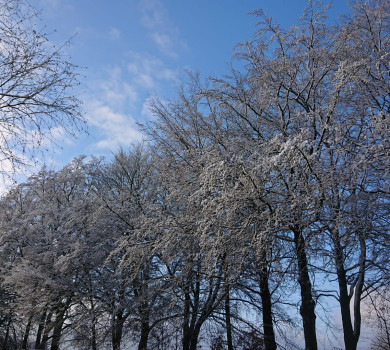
(304, 123)
(42, 235)
(37, 87)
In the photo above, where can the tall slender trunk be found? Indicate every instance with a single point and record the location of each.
(93, 314)
(41, 327)
(307, 302)
(351, 332)
(58, 324)
(344, 298)
(191, 309)
(7, 333)
(196, 312)
(228, 323)
(145, 318)
(359, 290)
(269, 335)
(93, 327)
(46, 330)
(144, 306)
(93, 339)
(195, 337)
(143, 342)
(26, 333)
(186, 319)
(117, 329)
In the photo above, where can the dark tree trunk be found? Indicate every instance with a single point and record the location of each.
(41, 327)
(269, 335)
(117, 329)
(351, 332)
(26, 334)
(195, 312)
(93, 324)
(359, 290)
(143, 342)
(307, 302)
(186, 319)
(93, 340)
(45, 337)
(195, 338)
(228, 323)
(344, 298)
(190, 323)
(7, 334)
(57, 331)
(46, 330)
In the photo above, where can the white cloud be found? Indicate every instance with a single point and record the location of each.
(165, 43)
(162, 31)
(117, 128)
(60, 136)
(153, 13)
(147, 71)
(115, 33)
(115, 91)
(119, 94)
(146, 109)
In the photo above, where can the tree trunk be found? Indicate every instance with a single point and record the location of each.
(269, 335)
(191, 328)
(344, 298)
(359, 290)
(195, 338)
(351, 333)
(117, 328)
(45, 337)
(143, 342)
(26, 334)
(7, 334)
(58, 323)
(307, 302)
(144, 310)
(46, 330)
(227, 319)
(186, 320)
(41, 327)
(93, 340)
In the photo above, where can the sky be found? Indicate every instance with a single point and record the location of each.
(131, 50)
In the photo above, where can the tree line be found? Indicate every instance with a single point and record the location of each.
(260, 200)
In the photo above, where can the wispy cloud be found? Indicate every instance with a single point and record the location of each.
(114, 90)
(162, 30)
(147, 71)
(146, 109)
(108, 110)
(114, 34)
(117, 129)
(118, 98)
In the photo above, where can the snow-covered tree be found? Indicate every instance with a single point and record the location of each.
(37, 82)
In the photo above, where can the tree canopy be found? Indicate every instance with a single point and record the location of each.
(259, 205)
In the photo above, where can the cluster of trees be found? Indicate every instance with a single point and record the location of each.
(262, 198)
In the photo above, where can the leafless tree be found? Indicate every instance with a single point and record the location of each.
(38, 97)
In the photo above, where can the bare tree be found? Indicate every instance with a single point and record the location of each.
(38, 100)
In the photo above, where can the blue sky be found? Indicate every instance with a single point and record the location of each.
(133, 49)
